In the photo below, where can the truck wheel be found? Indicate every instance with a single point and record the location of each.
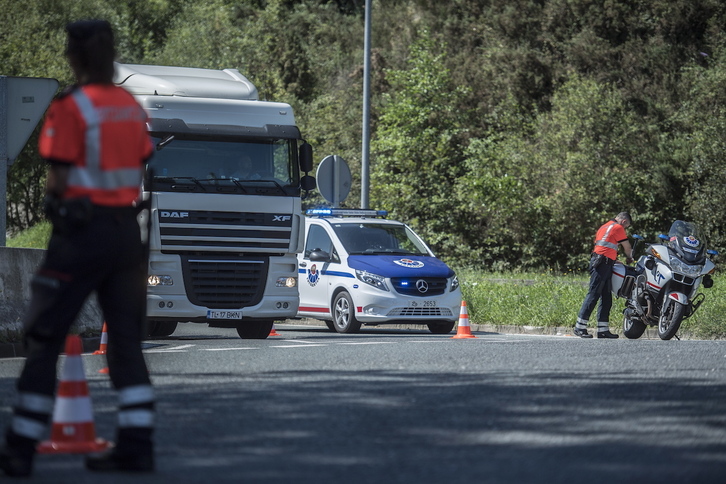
(344, 314)
(255, 329)
(160, 329)
(442, 327)
(633, 328)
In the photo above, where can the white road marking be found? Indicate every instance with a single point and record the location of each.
(309, 345)
(171, 349)
(370, 343)
(228, 349)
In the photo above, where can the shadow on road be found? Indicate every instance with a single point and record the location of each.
(395, 427)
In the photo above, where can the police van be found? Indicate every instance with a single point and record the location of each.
(360, 268)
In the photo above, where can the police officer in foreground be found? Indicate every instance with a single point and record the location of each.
(608, 237)
(95, 140)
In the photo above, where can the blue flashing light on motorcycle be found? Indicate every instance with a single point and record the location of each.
(662, 289)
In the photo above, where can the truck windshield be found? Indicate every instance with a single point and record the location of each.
(235, 165)
(375, 238)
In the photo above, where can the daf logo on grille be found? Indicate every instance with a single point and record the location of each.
(422, 286)
(165, 214)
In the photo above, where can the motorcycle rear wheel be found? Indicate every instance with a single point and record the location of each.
(633, 328)
(670, 322)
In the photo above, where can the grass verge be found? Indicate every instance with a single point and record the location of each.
(550, 300)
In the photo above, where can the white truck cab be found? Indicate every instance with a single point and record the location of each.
(357, 268)
(224, 193)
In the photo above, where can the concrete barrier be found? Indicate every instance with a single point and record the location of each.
(17, 267)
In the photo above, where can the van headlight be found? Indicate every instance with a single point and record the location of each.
(374, 280)
(454, 283)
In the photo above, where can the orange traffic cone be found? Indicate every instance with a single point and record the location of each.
(73, 430)
(104, 341)
(273, 332)
(463, 330)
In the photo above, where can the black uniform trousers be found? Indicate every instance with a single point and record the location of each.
(601, 269)
(104, 255)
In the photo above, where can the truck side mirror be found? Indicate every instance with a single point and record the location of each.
(307, 183)
(306, 157)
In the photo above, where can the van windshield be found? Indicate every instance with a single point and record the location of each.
(375, 238)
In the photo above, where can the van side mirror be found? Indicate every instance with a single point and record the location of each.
(319, 256)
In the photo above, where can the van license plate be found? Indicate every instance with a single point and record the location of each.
(424, 303)
(221, 314)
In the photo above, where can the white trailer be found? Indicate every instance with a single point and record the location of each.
(224, 187)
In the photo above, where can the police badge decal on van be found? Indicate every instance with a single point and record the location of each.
(313, 276)
(411, 264)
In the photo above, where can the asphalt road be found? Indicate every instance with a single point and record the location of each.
(406, 406)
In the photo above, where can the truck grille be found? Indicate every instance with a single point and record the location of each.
(409, 286)
(195, 232)
(225, 283)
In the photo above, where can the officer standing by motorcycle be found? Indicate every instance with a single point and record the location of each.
(608, 237)
(95, 140)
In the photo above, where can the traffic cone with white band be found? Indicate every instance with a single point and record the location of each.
(73, 430)
(104, 341)
(273, 332)
(463, 329)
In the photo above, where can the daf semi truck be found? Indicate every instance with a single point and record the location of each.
(223, 189)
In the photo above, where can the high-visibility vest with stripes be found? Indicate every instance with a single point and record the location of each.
(607, 238)
(100, 131)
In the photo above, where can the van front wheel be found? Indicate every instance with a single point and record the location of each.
(344, 320)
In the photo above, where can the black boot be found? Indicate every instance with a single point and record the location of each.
(582, 333)
(606, 334)
(134, 452)
(16, 456)
(114, 460)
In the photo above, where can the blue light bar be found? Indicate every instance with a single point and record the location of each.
(345, 212)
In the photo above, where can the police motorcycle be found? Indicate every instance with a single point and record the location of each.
(662, 289)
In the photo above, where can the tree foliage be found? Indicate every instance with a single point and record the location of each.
(505, 132)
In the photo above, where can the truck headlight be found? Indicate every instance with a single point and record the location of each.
(374, 280)
(160, 280)
(286, 282)
(454, 283)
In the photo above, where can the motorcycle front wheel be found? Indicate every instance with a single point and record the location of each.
(633, 328)
(670, 321)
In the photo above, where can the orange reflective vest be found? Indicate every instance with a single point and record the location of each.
(100, 131)
(607, 239)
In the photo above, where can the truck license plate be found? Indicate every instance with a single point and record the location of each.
(221, 314)
(424, 303)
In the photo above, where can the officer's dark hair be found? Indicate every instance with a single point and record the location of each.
(91, 47)
(624, 217)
